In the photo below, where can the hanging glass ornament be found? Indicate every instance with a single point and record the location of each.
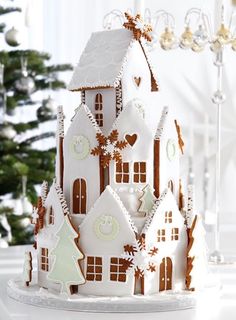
(216, 46)
(168, 40)
(7, 131)
(197, 48)
(234, 44)
(25, 84)
(200, 37)
(48, 110)
(186, 40)
(218, 97)
(13, 37)
(224, 35)
(26, 205)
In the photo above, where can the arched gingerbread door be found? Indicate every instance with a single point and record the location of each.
(79, 196)
(165, 281)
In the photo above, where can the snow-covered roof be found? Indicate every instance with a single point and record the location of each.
(102, 62)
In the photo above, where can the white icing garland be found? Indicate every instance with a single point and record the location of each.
(44, 191)
(60, 121)
(118, 99)
(161, 123)
(153, 211)
(62, 199)
(189, 212)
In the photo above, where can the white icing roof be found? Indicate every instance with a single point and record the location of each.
(101, 63)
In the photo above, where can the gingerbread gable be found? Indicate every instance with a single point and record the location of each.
(81, 169)
(165, 228)
(106, 229)
(102, 62)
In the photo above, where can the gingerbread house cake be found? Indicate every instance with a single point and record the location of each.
(115, 221)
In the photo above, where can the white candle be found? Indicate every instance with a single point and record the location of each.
(139, 7)
(206, 136)
(218, 13)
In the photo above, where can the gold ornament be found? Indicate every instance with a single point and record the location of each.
(197, 48)
(223, 35)
(186, 39)
(216, 46)
(168, 39)
(234, 44)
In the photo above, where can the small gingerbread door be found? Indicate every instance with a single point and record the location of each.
(79, 196)
(165, 280)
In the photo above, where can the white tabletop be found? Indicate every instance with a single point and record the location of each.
(11, 261)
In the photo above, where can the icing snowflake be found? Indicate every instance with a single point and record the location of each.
(109, 148)
(139, 28)
(140, 260)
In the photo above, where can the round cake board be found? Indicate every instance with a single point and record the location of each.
(166, 301)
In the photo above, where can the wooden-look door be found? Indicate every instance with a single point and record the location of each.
(79, 196)
(165, 280)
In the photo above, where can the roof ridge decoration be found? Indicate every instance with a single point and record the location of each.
(138, 27)
(120, 203)
(153, 211)
(61, 199)
(161, 123)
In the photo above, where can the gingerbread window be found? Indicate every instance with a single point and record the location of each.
(171, 185)
(122, 172)
(168, 216)
(44, 259)
(94, 269)
(99, 109)
(175, 234)
(161, 235)
(51, 216)
(139, 172)
(117, 270)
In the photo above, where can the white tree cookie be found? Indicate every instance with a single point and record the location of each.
(65, 269)
(27, 268)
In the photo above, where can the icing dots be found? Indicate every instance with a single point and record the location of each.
(106, 227)
(80, 147)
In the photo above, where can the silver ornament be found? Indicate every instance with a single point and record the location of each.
(48, 109)
(25, 85)
(200, 37)
(7, 132)
(13, 37)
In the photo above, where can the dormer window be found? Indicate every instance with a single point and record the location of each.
(168, 216)
(175, 234)
(139, 172)
(51, 216)
(99, 109)
(171, 185)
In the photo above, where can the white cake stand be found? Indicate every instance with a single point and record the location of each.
(166, 301)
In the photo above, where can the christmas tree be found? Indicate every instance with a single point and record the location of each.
(23, 73)
(65, 269)
(147, 200)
